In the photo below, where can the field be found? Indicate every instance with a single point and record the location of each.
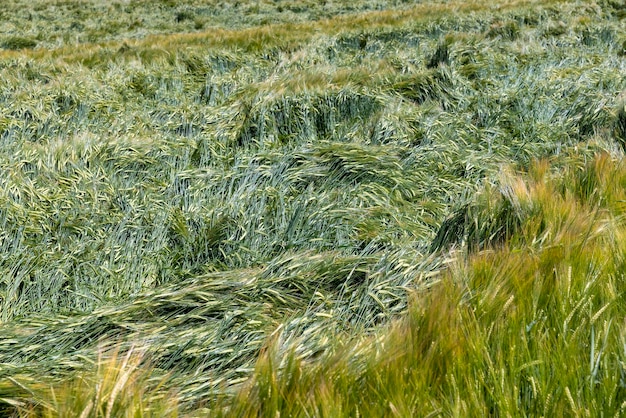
(312, 208)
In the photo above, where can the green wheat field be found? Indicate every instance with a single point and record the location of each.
(298, 208)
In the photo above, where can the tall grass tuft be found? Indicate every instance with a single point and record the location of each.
(620, 124)
(119, 384)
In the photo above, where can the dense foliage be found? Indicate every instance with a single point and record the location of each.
(363, 208)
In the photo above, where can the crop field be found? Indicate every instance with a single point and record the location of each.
(312, 208)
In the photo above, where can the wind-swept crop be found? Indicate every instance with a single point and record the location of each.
(344, 211)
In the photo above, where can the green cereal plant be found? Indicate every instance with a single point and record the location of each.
(340, 208)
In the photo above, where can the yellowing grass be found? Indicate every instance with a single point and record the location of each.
(285, 36)
(515, 330)
(119, 385)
